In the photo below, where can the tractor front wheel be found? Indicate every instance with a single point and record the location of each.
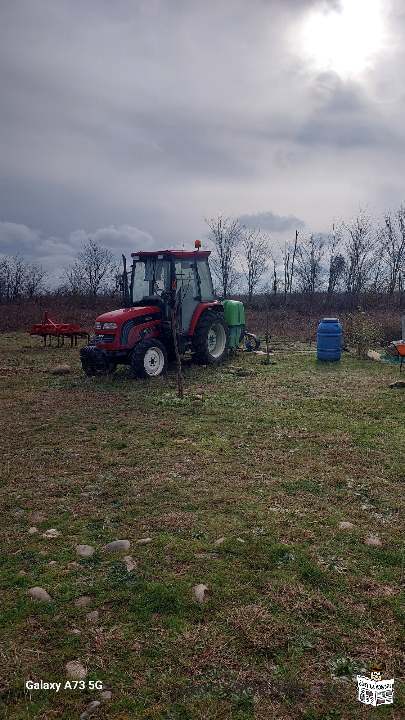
(210, 339)
(149, 358)
(95, 364)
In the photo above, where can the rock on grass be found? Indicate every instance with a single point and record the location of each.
(60, 370)
(75, 670)
(117, 546)
(345, 525)
(90, 709)
(38, 593)
(85, 551)
(106, 695)
(130, 563)
(200, 592)
(51, 533)
(373, 541)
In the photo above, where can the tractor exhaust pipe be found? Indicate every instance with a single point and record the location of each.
(124, 284)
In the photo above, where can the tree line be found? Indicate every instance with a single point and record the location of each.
(94, 271)
(354, 258)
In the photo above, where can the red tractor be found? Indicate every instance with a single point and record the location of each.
(159, 287)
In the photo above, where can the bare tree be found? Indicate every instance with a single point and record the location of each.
(19, 279)
(359, 246)
(275, 282)
(309, 264)
(289, 258)
(337, 261)
(392, 240)
(34, 280)
(93, 271)
(255, 252)
(225, 235)
(337, 265)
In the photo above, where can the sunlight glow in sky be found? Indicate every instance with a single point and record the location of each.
(346, 40)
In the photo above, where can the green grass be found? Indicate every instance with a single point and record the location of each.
(271, 462)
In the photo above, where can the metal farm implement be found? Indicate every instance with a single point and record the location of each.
(48, 328)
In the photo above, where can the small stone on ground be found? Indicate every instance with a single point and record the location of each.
(200, 592)
(130, 563)
(106, 695)
(60, 370)
(32, 530)
(38, 593)
(90, 709)
(144, 541)
(373, 541)
(92, 616)
(85, 551)
(117, 546)
(75, 670)
(345, 525)
(51, 533)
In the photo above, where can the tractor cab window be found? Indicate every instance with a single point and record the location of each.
(187, 284)
(140, 285)
(204, 273)
(157, 272)
(150, 277)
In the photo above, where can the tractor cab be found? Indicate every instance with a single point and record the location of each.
(168, 277)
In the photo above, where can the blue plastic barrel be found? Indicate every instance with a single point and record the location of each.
(329, 340)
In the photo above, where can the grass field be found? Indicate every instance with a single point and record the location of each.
(271, 462)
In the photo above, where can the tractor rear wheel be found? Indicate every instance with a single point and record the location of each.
(210, 339)
(149, 358)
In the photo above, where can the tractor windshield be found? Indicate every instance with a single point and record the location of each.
(149, 277)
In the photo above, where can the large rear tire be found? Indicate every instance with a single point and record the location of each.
(210, 339)
(149, 359)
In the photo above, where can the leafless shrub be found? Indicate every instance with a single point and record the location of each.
(255, 255)
(225, 234)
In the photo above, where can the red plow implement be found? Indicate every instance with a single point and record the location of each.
(48, 328)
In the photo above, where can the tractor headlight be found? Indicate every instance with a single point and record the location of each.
(109, 326)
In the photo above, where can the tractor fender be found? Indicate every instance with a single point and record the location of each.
(200, 310)
(136, 333)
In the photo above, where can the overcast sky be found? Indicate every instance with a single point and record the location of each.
(133, 120)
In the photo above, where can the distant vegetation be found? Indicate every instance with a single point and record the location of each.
(359, 266)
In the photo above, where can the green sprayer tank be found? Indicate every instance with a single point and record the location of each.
(234, 312)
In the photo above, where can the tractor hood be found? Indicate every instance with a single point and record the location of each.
(124, 314)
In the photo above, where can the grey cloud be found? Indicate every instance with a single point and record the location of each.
(56, 253)
(270, 222)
